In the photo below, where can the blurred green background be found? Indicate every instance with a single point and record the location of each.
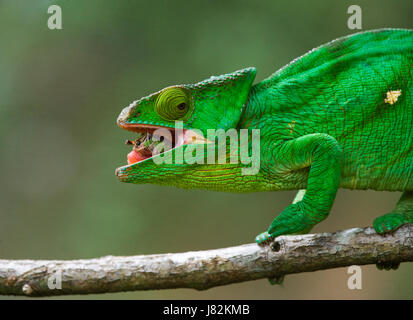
(62, 90)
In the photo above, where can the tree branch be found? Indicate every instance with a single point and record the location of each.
(206, 269)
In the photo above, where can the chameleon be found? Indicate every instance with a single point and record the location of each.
(340, 116)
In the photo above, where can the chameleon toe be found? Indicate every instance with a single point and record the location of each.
(387, 265)
(263, 237)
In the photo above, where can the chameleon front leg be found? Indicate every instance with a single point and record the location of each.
(322, 154)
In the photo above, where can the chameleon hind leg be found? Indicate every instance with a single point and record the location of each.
(402, 214)
(322, 154)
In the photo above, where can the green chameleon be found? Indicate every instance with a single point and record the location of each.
(340, 116)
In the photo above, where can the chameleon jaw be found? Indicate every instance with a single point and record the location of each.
(178, 138)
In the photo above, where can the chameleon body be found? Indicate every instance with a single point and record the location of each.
(340, 116)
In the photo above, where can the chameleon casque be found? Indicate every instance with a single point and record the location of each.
(340, 116)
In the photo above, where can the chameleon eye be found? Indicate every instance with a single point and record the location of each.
(173, 104)
(182, 106)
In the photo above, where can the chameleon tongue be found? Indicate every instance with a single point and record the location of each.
(134, 157)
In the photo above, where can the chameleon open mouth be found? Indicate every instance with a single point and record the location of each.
(153, 140)
(144, 146)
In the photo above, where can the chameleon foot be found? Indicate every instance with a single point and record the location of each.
(389, 222)
(402, 214)
(291, 221)
(263, 238)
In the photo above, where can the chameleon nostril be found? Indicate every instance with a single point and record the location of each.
(138, 113)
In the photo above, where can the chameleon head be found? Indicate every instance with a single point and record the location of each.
(177, 117)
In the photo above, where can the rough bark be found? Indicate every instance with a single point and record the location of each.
(206, 269)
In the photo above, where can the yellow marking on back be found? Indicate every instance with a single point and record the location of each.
(291, 125)
(392, 96)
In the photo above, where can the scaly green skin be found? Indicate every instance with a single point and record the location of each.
(324, 123)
